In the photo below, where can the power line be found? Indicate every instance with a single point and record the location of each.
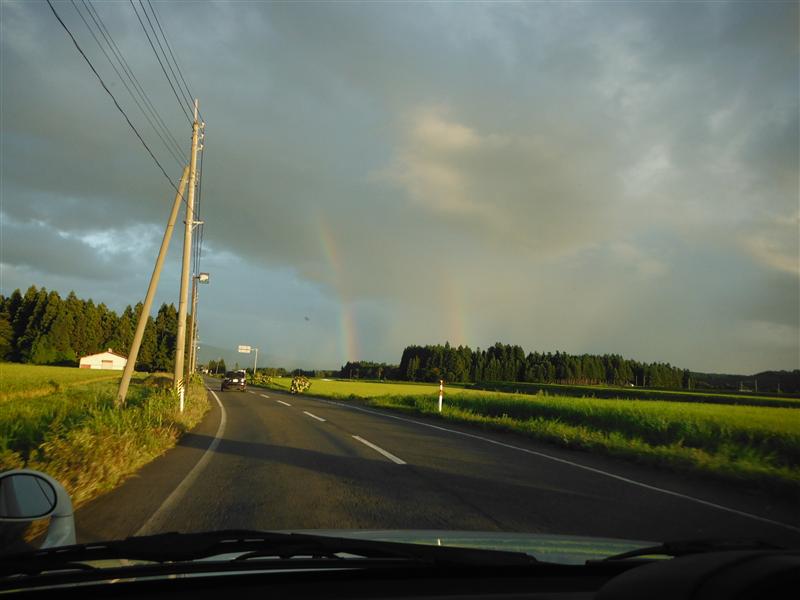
(188, 100)
(180, 102)
(105, 87)
(129, 71)
(124, 83)
(172, 54)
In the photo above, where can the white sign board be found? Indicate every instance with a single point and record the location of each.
(244, 349)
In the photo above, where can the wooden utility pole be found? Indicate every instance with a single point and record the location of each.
(180, 345)
(133, 353)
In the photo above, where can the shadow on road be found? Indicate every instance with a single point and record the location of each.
(546, 501)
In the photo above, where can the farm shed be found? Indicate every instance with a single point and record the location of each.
(104, 360)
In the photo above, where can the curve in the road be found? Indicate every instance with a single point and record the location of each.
(155, 523)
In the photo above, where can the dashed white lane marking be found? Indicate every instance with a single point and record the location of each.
(380, 450)
(157, 522)
(314, 416)
(282, 402)
(264, 396)
(640, 484)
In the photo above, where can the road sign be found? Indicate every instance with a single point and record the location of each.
(244, 349)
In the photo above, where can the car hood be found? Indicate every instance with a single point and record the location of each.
(563, 549)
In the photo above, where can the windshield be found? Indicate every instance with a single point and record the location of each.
(503, 275)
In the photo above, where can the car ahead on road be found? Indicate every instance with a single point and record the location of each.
(234, 380)
(374, 564)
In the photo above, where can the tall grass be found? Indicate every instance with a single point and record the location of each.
(773, 433)
(79, 437)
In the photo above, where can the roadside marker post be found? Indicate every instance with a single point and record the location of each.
(441, 393)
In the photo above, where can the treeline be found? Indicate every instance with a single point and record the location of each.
(363, 369)
(503, 362)
(42, 328)
(766, 381)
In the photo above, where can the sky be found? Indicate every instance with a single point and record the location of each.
(610, 177)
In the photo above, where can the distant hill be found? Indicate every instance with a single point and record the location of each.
(767, 381)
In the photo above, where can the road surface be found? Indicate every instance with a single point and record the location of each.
(269, 460)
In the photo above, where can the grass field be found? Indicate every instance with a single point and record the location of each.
(74, 431)
(747, 444)
(594, 391)
(30, 381)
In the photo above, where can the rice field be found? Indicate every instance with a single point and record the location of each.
(30, 381)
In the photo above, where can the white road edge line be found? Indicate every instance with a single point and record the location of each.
(155, 522)
(282, 402)
(264, 396)
(314, 416)
(576, 465)
(380, 450)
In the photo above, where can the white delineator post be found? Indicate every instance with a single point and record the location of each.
(441, 393)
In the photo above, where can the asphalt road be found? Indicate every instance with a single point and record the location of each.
(279, 461)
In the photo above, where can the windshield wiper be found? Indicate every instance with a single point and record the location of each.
(686, 547)
(246, 544)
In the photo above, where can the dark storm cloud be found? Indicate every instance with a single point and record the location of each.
(398, 157)
(35, 245)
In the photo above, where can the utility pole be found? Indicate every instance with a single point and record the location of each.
(133, 353)
(179, 379)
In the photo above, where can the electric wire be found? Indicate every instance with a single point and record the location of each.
(188, 100)
(129, 71)
(180, 102)
(105, 87)
(172, 54)
(125, 84)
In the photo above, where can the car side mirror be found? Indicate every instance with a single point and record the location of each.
(28, 495)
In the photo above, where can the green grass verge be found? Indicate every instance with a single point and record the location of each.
(80, 438)
(747, 445)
